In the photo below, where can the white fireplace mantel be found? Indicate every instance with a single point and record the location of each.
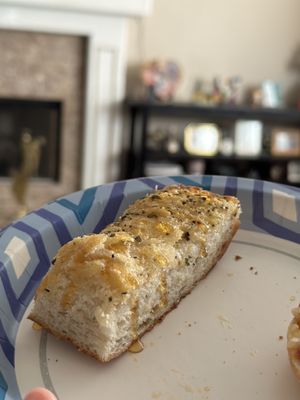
(103, 23)
(118, 7)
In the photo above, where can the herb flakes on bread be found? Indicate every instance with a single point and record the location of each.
(106, 290)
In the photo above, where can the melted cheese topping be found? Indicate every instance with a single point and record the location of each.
(143, 242)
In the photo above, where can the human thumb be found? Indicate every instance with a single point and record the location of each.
(40, 394)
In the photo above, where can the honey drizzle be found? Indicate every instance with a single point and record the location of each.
(163, 290)
(69, 295)
(136, 347)
(36, 327)
(134, 318)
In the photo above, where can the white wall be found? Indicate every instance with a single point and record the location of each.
(253, 38)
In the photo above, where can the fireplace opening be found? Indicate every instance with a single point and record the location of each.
(35, 120)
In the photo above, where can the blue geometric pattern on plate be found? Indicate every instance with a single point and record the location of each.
(28, 245)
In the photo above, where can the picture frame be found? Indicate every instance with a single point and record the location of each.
(293, 172)
(248, 138)
(285, 141)
(202, 139)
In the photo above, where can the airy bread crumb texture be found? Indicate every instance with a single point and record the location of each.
(106, 290)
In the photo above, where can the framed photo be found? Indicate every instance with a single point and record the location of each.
(293, 171)
(285, 141)
(202, 139)
(248, 137)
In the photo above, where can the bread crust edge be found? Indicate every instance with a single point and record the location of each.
(233, 229)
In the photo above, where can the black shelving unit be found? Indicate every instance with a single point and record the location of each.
(141, 114)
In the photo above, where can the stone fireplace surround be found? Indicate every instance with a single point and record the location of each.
(102, 24)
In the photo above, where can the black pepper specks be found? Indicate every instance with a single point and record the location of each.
(152, 215)
(155, 197)
(110, 299)
(53, 261)
(138, 239)
(47, 290)
(186, 235)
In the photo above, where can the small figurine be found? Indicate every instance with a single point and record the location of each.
(256, 97)
(218, 91)
(227, 91)
(160, 79)
(31, 152)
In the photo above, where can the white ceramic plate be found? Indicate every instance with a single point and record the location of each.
(225, 341)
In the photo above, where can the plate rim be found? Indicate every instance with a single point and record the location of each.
(76, 208)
